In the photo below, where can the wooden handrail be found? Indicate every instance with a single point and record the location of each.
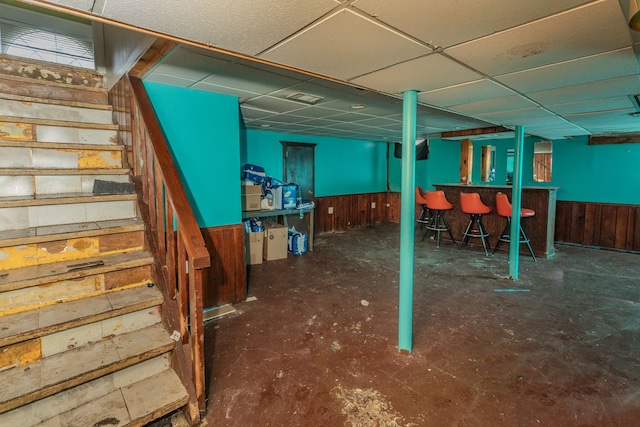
(173, 186)
(175, 238)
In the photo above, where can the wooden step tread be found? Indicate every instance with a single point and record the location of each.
(61, 123)
(134, 405)
(62, 145)
(52, 233)
(43, 171)
(20, 278)
(71, 368)
(33, 99)
(60, 199)
(67, 76)
(48, 319)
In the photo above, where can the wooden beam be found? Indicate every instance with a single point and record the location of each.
(152, 56)
(621, 138)
(472, 132)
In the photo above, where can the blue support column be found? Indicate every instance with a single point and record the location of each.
(407, 221)
(516, 201)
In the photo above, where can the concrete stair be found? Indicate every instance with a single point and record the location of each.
(81, 337)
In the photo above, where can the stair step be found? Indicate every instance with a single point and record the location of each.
(11, 95)
(46, 320)
(58, 123)
(67, 210)
(64, 404)
(35, 184)
(38, 111)
(26, 277)
(59, 158)
(53, 374)
(50, 73)
(62, 146)
(21, 129)
(44, 234)
(59, 171)
(60, 199)
(41, 89)
(69, 245)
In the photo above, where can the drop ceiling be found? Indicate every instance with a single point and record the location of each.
(560, 68)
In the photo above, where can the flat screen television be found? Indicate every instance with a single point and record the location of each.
(422, 149)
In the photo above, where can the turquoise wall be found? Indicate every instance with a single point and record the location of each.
(203, 133)
(209, 144)
(584, 173)
(596, 173)
(442, 166)
(342, 166)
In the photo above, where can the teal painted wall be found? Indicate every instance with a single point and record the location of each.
(442, 166)
(342, 166)
(596, 173)
(584, 173)
(203, 133)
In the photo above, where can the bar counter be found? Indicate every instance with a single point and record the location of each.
(540, 229)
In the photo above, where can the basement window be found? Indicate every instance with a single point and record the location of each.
(34, 43)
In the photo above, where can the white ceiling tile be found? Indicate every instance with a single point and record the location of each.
(595, 28)
(168, 80)
(595, 122)
(249, 113)
(189, 65)
(445, 23)
(606, 104)
(621, 86)
(514, 102)
(330, 48)
(207, 87)
(526, 117)
(479, 90)
(422, 74)
(247, 27)
(76, 4)
(250, 79)
(617, 63)
(276, 105)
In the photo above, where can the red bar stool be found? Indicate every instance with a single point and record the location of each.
(504, 210)
(423, 218)
(471, 204)
(437, 202)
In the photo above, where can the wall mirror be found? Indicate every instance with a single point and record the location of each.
(542, 155)
(511, 161)
(488, 169)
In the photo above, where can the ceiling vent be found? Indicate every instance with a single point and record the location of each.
(305, 98)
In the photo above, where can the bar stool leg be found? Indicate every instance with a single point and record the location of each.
(525, 239)
(465, 235)
(483, 235)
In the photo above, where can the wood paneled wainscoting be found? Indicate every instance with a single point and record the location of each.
(225, 281)
(599, 225)
(355, 210)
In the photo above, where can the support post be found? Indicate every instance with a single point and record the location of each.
(407, 221)
(516, 199)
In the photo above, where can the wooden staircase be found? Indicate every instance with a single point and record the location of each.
(81, 337)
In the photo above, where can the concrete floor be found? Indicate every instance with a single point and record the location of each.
(307, 352)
